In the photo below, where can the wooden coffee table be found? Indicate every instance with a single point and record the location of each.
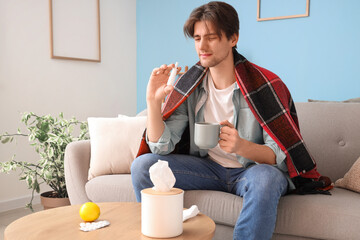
(124, 217)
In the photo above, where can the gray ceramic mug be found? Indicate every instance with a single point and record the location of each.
(206, 135)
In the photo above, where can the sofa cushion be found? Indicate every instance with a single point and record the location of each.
(114, 144)
(111, 188)
(351, 180)
(313, 216)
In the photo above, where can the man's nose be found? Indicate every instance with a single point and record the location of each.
(203, 44)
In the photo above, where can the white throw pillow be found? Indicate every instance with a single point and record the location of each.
(114, 144)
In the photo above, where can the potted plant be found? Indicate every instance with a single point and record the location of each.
(49, 136)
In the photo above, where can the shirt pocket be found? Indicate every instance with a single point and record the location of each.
(242, 103)
(248, 127)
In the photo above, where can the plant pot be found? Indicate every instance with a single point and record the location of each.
(48, 201)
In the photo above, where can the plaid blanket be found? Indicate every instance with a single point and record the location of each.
(270, 102)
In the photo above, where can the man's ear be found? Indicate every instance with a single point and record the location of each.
(234, 39)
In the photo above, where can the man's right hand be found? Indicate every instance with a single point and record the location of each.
(156, 92)
(157, 88)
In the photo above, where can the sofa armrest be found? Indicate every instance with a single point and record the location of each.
(77, 164)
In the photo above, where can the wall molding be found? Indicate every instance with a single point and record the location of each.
(20, 202)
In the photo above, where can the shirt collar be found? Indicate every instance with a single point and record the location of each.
(204, 84)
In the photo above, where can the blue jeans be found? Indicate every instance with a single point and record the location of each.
(260, 186)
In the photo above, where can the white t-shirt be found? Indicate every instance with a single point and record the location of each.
(219, 107)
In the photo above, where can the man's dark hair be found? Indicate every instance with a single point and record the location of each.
(222, 15)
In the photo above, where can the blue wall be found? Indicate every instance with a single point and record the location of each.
(317, 57)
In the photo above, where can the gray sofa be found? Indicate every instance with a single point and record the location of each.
(332, 134)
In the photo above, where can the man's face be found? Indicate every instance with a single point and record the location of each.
(211, 49)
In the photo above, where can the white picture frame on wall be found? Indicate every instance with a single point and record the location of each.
(75, 30)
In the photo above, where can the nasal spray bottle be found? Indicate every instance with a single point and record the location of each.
(172, 78)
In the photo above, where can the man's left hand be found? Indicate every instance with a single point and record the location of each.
(230, 140)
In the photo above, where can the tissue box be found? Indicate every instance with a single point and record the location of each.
(162, 213)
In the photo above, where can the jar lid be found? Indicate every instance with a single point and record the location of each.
(173, 191)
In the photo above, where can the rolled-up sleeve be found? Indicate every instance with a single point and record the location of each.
(280, 158)
(174, 128)
(162, 145)
(280, 155)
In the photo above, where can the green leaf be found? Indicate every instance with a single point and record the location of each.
(5, 140)
(25, 118)
(45, 126)
(48, 175)
(83, 126)
(41, 136)
(51, 152)
(32, 137)
(36, 186)
(52, 135)
(70, 129)
(43, 155)
(29, 180)
(6, 168)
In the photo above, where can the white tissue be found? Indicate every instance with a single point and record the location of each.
(190, 213)
(91, 226)
(161, 176)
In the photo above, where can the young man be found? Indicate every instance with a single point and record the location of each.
(247, 161)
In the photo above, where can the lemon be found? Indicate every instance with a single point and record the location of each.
(89, 211)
